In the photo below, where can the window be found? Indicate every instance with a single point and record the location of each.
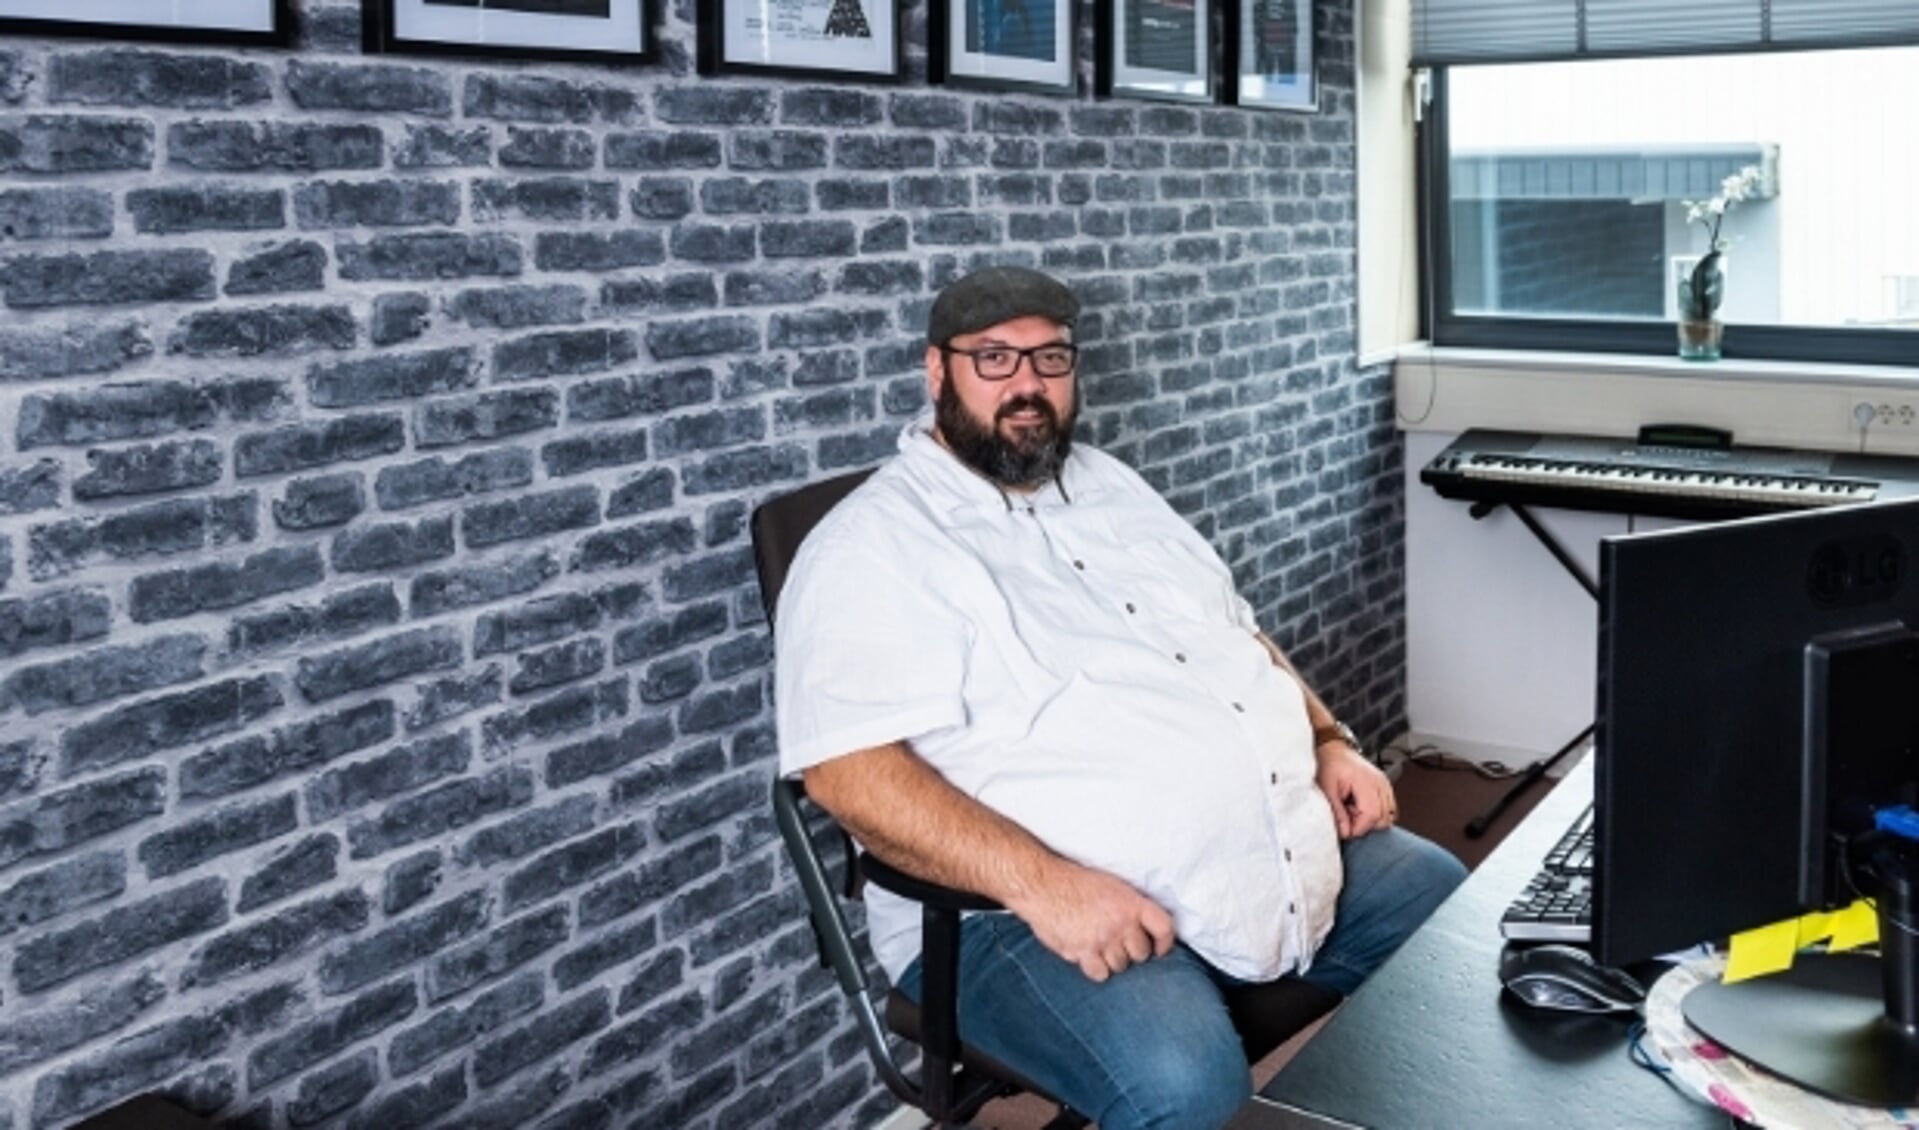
(1558, 201)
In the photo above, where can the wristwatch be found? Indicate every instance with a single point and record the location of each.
(1337, 731)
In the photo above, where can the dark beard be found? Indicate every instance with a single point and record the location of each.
(1028, 461)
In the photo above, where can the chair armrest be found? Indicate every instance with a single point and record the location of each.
(919, 890)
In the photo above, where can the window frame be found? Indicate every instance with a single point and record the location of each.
(1444, 326)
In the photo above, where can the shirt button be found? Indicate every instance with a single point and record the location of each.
(1275, 778)
(1240, 708)
(1130, 608)
(1292, 908)
(1289, 855)
(1081, 565)
(1180, 655)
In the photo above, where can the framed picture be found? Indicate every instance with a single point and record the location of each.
(585, 30)
(847, 39)
(1156, 49)
(1270, 56)
(1005, 44)
(259, 23)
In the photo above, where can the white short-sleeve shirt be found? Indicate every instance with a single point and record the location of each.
(1078, 660)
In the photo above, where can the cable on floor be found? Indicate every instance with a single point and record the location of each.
(1426, 755)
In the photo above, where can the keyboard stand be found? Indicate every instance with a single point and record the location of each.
(1476, 827)
(1480, 510)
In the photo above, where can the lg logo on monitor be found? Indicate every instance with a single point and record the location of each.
(1861, 570)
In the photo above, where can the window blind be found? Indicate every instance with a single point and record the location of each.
(1486, 31)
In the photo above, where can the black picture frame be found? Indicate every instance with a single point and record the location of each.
(1271, 59)
(239, 23)
(802, 42)
(1162, 50)
(1025, 45)
(580, 31)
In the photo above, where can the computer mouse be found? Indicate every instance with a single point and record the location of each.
(1566, 978)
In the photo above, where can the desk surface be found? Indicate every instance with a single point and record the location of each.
(1430, 1040)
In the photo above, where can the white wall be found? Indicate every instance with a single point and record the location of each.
(1387, 231)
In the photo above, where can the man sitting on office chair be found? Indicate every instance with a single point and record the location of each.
(1007, 666)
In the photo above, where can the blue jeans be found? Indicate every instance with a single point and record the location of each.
(1154, 1046)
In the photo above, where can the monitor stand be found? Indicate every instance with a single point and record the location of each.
(1844, 1025)
(1821, 1024)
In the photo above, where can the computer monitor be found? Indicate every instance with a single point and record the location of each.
(1758, 700)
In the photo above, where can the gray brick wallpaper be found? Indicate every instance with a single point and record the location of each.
(384, 720)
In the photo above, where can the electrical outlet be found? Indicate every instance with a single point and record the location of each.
(1884, 414)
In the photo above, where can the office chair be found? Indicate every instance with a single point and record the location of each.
(953, 1080)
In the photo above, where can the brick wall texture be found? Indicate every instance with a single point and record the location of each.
(384, 717)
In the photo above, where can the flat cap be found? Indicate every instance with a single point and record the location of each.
(993, 295)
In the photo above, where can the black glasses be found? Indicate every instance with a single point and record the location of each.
(998, 362)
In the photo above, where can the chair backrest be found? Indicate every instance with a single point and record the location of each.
(781, 524)
(778, 527)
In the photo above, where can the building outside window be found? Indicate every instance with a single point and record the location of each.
(1566, 186)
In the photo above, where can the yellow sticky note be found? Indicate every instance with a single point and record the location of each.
(1855, 926)
(1768, 949)
(1813, 928)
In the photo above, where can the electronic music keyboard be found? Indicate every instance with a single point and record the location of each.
(1662, 479)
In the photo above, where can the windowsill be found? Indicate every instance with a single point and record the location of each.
(1778, 403)
(1729, 369)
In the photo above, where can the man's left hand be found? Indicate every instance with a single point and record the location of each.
(1361, 795)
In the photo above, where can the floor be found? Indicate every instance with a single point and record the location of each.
(1436, 803)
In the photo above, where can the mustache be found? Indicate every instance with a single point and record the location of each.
(1021, 403)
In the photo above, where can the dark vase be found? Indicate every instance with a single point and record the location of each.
(1699, 295)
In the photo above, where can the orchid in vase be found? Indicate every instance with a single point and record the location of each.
(1703, 288)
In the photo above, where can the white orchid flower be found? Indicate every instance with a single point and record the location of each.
(1733, 189)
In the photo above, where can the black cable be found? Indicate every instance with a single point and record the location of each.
(1845, 869)
(1426, 755)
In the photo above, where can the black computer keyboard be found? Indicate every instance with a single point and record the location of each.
(1573, 854)
(1556, 905)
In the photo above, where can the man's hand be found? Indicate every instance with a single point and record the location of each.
(1361, 795)
(910, 816)
(1095, 920)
